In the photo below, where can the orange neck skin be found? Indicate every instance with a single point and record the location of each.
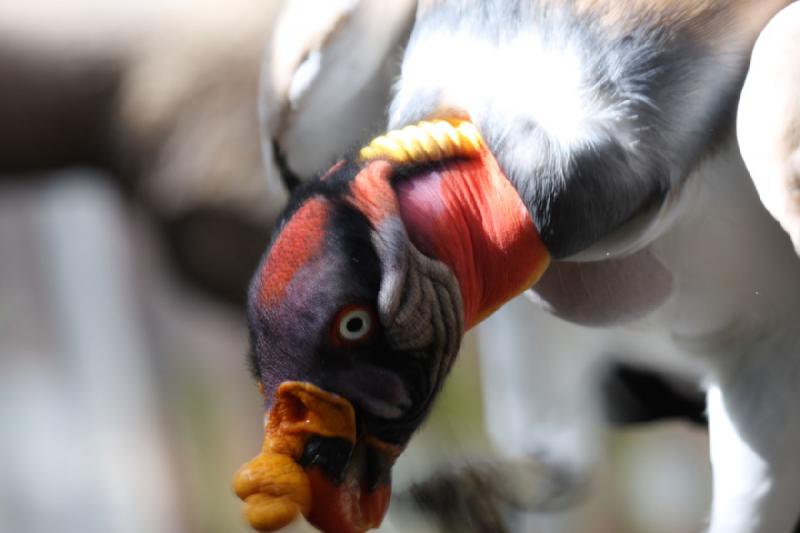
(469, 216)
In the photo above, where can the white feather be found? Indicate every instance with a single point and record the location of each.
(769, 119)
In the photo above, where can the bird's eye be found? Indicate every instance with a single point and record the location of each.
(353, 324)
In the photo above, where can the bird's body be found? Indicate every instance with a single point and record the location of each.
(727, 320)
(612, 122)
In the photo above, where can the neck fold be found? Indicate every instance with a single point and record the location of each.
(467, 215)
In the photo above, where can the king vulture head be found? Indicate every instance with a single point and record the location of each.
(358, 308)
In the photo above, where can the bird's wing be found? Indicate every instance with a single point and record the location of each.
(326, 79)
(768, 124)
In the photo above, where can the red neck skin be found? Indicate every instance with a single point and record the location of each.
(470, 217)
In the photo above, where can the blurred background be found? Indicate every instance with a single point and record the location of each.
(133, 207)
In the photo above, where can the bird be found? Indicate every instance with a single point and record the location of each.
(295, 88)
(582, 151)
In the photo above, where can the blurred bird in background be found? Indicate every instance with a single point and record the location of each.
(614, 123)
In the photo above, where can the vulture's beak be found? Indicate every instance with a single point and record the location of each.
(315, 462)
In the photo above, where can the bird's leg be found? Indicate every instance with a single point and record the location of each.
(754, 425)
(540, 396)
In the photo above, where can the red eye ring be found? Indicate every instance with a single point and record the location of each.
(353, 325)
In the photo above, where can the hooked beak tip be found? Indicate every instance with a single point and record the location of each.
(313, 464)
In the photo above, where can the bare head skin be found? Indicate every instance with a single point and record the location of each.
(357, 312)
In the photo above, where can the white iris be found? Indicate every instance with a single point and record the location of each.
(354, 325)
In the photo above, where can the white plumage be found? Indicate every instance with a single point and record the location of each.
(769, 119)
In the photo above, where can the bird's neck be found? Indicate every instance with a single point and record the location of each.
(469, 216)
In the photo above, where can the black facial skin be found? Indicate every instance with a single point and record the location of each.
(329, 454)
(332, 455)
(297, 338)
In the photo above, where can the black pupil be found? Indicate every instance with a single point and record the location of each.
(354, 324)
